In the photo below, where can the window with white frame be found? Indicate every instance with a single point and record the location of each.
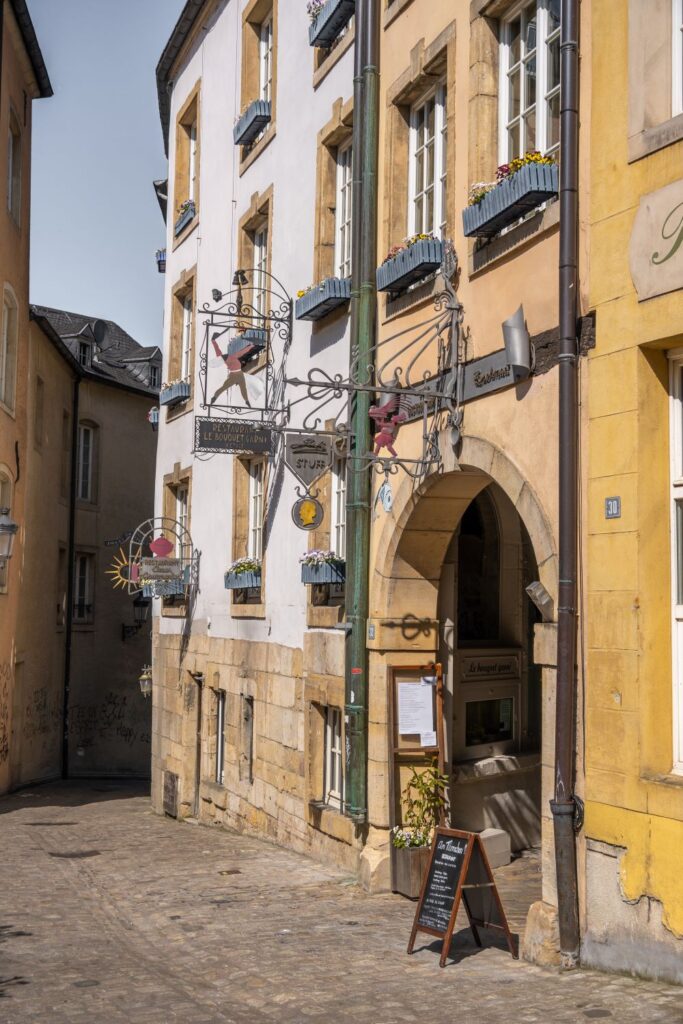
(266, 58)
(5, 502)
(85, 353)
(8, 351)
(14, 168)
(427, 172)
(255, 534)
(154, 376)
(182, 497)
(342, 258)
(220, 736)
(192, 163)
(530, 80)
(86, 459)
(676, 499)
(186, 339)
(260, 271)
(334, 778)
(338, 532)
(677, 58)
(84, 576)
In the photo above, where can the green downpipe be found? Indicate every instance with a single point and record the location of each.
(363, 326)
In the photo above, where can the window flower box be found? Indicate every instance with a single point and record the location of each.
(161, 260)
(256, 336)
(321, 299)
(243, 580)
(251, 123)
(323, 573)
(413, 263)
(186, 215)
(329, 22)
(173, 394)
(527, 188)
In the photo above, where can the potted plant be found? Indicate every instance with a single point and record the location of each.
(413, 259)
(320, 567)
(251, 122)
(161, 260)
(328, 19)
(186, 213)
(520, 186)
(243, 574)
(174, 392)
(423, 801)
(316, 301)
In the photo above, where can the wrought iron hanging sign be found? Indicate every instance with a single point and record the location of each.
(308, 513)
(214, 434)
(308, 456)
(161, 560)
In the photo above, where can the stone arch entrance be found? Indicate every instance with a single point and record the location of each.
(414, 591)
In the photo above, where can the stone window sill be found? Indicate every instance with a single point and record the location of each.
(248, 611)
(187, 230)
(254, 153)
(332, 823)
(675, 781)
(324, 616)
(532, 228)
(392, 11)
(333, 57)
(650, 140)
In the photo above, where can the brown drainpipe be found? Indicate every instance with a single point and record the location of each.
(564, 806)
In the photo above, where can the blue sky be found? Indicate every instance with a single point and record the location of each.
(97, 147)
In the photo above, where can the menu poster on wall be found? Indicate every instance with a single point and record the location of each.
(415, 710)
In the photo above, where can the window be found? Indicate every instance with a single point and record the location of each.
(186, 341)
(86, 451)
(38, 412)
(343, 211)
(61, 589)
(84, 576)
(220, 736)
(182, 494)
(186, 181)
(266, 58)
(85, 353)
(676, 498)
(333, 787)
(246, 764)
(427, 179)
(14, 168)
(255, 535)
(64, 462)
(5, 502)
(677, 59)
(338, 532)
(261, 271)
(8, 351)
(530, 80)
(154, 376)
(192, 162)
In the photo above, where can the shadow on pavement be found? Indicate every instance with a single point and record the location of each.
(73, 793)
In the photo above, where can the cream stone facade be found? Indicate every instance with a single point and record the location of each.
(243, 691)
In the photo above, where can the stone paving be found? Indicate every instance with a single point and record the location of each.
(110, 914)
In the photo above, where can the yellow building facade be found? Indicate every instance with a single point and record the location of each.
(633, 907)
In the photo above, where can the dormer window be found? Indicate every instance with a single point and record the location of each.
(154, 376)
(85, 353)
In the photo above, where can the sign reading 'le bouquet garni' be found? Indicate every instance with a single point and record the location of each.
(458, 870)
(232, 437)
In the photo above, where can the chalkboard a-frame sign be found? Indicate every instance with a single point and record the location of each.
(458, 870)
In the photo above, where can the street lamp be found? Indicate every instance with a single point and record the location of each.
(145, 681)
(8, 530)
(140, 613)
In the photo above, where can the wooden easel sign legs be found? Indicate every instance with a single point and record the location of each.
(458, 870)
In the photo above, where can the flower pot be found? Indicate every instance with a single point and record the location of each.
(408, 868)
(175, 394)
(251, 123)
(183, 220)
(323, 298)
(334, 16)
(530, 186)
(416, 262)
(256, 336)
(243, 580)
(324, 572)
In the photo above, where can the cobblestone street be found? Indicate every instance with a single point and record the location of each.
(115, 915)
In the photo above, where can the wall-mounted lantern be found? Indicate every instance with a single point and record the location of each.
(140, 613)
(8, 530)
(145, 681)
